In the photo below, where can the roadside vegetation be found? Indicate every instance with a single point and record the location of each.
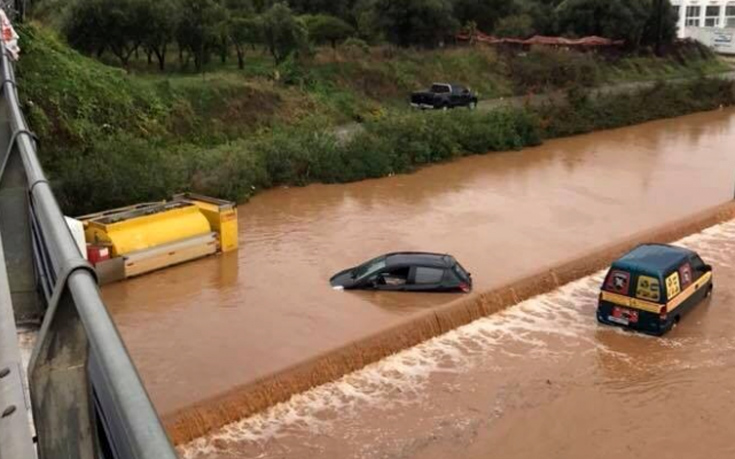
(231, 97)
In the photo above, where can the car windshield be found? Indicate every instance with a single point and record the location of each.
(461, 271)
(369, 268)
(439, 88)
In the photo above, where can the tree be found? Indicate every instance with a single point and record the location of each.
(485, 13)
(239, 8)
(283, 32)
(84, 26)
(159, 28)
(416, 22)
(114, 25)
(515, 26)
(365, 18)
(660, 28)
(337, 8)
(327, 29)
(125, 27)
(543, 14)
(617, 19)
(244, 31)
(199, 28)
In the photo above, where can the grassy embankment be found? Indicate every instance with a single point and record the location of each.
(111, 139)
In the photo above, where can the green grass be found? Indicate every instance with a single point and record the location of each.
(651, 68)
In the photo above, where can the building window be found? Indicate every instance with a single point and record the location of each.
(712, 16)
(677, 10)
(692, 18)
(730, 15)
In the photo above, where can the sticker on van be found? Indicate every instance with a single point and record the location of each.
(618, 282)
(672, 285)
(648, 288)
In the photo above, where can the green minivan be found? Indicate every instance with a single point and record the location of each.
(652, 287)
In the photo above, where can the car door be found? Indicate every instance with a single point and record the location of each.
(464, 96)
(698, 269)
(456, 97)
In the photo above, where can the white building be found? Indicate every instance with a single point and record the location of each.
(709, 21)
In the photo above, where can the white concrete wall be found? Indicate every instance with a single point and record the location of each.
(714, 31)
(721, 40)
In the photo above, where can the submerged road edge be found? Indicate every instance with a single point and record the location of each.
(205, 416)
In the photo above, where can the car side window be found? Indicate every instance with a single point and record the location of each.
(685, 274)
(697, 266)
(428, 275)
(393, 277)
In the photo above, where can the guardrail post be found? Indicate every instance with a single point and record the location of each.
(15, 230)
(60, 392)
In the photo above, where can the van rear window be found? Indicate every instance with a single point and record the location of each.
(618, 282)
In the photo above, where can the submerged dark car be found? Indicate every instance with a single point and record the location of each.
(406, 271)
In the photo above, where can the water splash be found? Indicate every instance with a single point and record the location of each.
(564, 317)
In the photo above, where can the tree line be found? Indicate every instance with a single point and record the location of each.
(205, 28)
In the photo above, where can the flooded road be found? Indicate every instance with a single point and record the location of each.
(539, 380)
(199, 329)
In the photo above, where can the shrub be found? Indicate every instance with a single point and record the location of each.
(544, 69)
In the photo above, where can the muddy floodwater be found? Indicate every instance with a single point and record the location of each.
(201, 328)
(540, 380)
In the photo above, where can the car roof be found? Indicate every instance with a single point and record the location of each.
(437, 260)
(653, 258)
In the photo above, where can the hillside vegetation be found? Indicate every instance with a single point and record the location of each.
(112, 137)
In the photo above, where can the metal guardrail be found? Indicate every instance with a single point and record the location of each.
(86, 396)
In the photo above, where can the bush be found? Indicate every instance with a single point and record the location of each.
(665, 100)
(356, 47)
(545, 69)
(326, 29)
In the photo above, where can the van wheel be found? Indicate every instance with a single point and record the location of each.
(472, 106)
(445, 108)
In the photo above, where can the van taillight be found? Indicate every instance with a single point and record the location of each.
(464, 287)
(663, 315)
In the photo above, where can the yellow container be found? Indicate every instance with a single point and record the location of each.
(221, 215)
(158, 225)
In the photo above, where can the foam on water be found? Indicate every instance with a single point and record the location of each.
(564, 316)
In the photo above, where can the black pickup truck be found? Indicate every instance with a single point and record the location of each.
(444, 96)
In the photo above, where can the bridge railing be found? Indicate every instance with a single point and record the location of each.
(87, 398)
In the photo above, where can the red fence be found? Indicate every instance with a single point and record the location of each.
(586, 42)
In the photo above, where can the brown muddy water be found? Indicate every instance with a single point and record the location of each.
(540, 380)
(199, 329)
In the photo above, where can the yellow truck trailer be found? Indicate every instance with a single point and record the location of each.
(135, 240)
